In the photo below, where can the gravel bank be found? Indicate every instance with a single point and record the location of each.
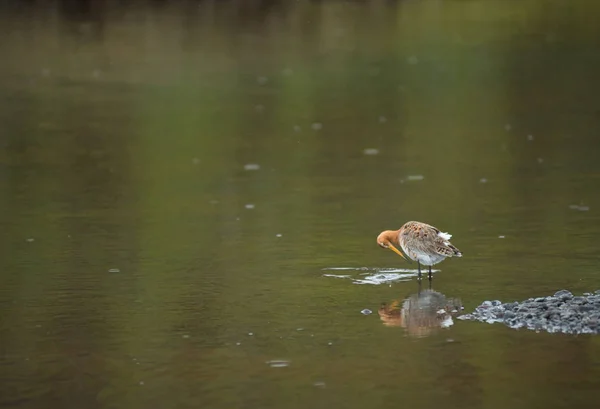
(561, 312)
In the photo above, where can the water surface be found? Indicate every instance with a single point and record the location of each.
(176, 178)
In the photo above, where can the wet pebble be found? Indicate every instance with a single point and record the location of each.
(564, 294)
(561, 312)
(278, 235)
(366, 311)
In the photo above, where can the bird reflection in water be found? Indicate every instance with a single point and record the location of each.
(422, 313)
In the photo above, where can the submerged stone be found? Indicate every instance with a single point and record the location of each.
(562, 312)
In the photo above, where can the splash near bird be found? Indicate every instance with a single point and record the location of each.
(421, 242)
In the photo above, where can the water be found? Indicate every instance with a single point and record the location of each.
(133, 275)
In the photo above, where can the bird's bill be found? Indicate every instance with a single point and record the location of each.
(398, 252)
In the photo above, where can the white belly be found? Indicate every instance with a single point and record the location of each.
(430, 259)
(427, 259)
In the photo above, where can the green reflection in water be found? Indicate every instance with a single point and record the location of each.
(125, 133)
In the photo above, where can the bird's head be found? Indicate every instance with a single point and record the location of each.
(387, 239)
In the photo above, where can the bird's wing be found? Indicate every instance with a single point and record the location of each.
(428, 239)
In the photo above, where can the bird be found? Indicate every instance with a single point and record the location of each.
(421, 242)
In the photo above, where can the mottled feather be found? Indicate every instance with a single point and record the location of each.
(417, 237)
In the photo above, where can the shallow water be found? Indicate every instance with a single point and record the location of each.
(176, 179)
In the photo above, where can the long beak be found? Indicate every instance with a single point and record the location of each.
(398, 252)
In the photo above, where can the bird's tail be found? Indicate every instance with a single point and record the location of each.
(457, 252)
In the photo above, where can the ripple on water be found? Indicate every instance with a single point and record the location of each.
(374, 275)
(371, 151)
(278, 363)
(579, 207)
(251, 166)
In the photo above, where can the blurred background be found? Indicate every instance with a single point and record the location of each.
(178, 179)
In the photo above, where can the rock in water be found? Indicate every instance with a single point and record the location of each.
(561, 312)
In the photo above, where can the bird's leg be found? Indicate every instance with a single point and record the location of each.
(430, 284)
(430, 274)
(419, 292)
(419, 267)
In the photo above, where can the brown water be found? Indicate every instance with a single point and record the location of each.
(125, 132)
